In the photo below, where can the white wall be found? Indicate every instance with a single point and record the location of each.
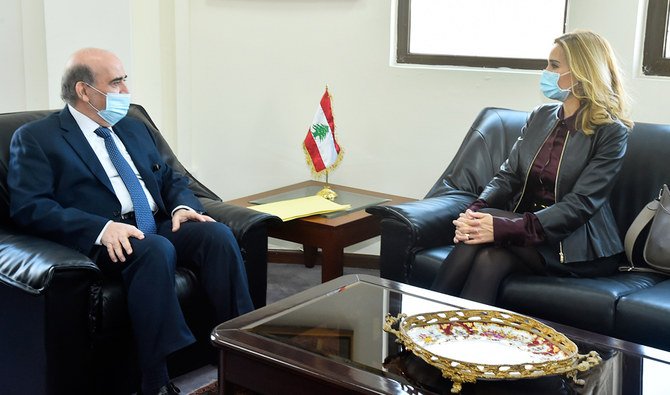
(23, 68)
(39, 36)
(73, 24)
(267, 61)
(234, 83)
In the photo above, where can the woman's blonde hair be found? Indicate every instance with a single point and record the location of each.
(598, 80)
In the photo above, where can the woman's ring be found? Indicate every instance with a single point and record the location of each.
(467, 235)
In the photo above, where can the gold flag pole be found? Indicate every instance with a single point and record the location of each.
(326, 192)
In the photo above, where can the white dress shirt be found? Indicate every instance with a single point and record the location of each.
(88, 126)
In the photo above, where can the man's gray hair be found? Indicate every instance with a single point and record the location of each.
(74, 74)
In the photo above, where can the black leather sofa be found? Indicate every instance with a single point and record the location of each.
(64, 328)
(417, 236)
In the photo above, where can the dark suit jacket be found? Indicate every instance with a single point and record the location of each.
(60, 191)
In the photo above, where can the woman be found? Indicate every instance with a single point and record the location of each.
(547, 210)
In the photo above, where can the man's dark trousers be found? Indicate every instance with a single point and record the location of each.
(149, 279)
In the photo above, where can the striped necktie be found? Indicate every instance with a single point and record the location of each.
(143, 215)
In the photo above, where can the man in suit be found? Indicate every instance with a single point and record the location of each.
(92, 179)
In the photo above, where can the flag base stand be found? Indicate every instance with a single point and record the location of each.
(327, 193)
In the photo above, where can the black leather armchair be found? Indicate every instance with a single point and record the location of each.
(417, 236)
(64, 328)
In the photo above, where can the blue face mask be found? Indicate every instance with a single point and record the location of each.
(116, 106)
(550, 88)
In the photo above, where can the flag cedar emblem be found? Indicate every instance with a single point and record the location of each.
(322, 151)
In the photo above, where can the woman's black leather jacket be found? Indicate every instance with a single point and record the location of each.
(581, 220)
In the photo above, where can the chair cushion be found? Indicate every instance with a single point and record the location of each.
(587, 303)
(643, 317)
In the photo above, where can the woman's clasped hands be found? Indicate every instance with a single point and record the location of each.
(473, 227)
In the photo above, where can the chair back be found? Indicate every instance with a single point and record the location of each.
(484, 148)
(9, 122)
(200, 190)
(646, 168)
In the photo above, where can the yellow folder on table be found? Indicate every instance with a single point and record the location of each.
(300, 207)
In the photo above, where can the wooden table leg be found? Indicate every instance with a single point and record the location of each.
(332, 262)
(632, 378)
(224, 386)
(309, 255)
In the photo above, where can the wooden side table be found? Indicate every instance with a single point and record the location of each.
(331, 235)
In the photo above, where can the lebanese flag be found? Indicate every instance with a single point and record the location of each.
(320, 145)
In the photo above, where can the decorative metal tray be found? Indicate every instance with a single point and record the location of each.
(467, 345)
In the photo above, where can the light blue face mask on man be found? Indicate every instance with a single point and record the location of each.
(550, 88)
(116, 106)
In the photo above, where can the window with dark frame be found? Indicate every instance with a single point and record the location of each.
(656, 53)
(407, 54)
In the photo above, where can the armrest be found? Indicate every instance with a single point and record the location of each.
(239, 219)
(428, 221)
(409, 227)
(31, 263)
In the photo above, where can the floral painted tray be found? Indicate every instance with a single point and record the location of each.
(467, 345)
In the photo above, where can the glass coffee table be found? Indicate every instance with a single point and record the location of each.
(329, 340)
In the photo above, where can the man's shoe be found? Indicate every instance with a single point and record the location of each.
(168, 389)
